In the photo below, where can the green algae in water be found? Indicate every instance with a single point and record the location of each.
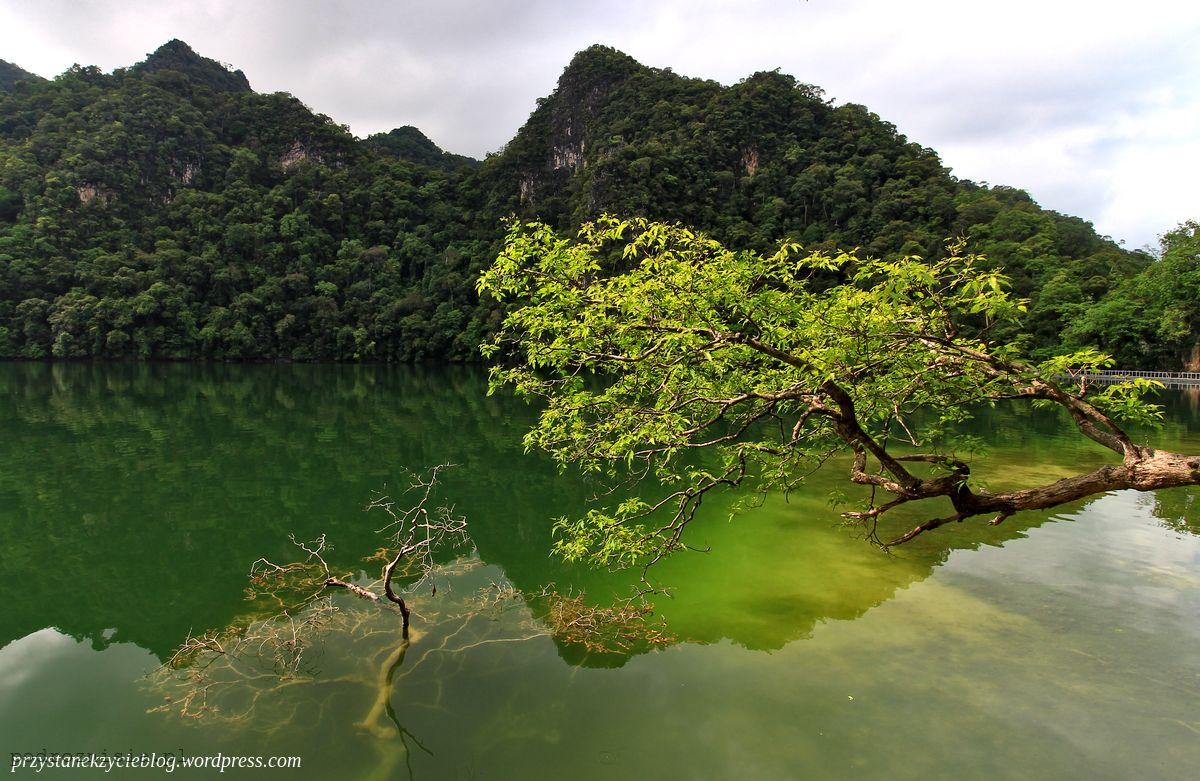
(134, 498)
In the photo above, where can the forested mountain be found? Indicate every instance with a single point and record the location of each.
(10, 74)
(409, 143)
(168, 211)
(175, 55)
(1151, 319)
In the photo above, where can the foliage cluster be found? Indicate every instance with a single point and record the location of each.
(656, 351)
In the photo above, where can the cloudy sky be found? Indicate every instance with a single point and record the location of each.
(1092, 106)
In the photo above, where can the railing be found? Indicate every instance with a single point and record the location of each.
(1170, 379)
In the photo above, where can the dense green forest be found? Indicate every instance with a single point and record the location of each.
(10, 74)
(167, 210)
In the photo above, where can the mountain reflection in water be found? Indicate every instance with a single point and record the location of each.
(133, 499)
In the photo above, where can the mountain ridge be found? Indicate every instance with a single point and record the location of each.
(212, 221)
(10, 74)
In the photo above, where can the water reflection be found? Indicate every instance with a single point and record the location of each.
(133, 498)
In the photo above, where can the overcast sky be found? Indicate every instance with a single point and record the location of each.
(1092, 106)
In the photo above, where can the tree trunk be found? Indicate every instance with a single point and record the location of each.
(1150, 470)
(1144, 469)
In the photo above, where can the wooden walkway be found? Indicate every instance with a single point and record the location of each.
(1170, 379)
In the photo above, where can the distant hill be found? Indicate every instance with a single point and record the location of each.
(10, 74)
(169, 211)
(409, 143)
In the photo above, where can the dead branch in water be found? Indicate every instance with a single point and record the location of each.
(264, 670)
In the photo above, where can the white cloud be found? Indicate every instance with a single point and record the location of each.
(1091, 106)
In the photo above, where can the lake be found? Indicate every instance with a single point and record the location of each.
(134, 499)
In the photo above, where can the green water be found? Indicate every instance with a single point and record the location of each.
(134, 498)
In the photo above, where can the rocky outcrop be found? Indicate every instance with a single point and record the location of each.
(569, 153)
(89, 191)
(525, 187)
(750, 160)
(1191, 360)
(555, 143)
(296, 155)
(184, 173)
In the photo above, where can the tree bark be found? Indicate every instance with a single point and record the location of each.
(388, 571)
(1144, 469)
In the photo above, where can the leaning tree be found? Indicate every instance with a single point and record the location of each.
(649, 343)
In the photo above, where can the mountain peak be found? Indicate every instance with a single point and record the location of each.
(176, 47)
(602, 53)
(600, 63)
(554, 142)
(175, 55)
